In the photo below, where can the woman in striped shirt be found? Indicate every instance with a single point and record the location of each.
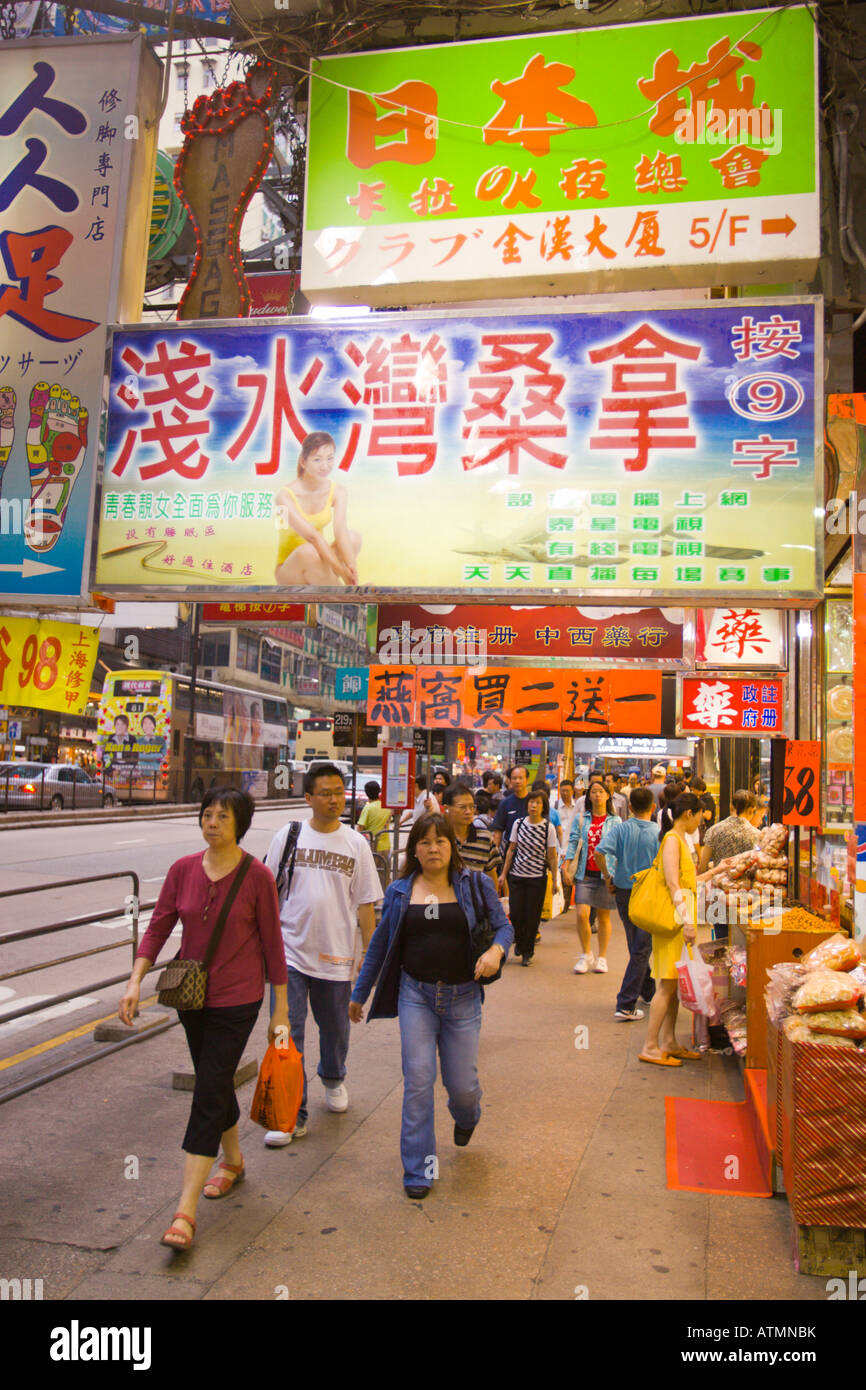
(531, 852)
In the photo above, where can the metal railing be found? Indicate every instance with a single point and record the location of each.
(130, 911)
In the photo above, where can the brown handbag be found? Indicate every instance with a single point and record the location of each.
(183, 983)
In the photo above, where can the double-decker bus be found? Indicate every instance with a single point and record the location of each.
(315, 738)
(144, 728)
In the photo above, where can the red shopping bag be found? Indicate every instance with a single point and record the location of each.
(279, 1089)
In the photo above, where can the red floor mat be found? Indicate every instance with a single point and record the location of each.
(710, 1147)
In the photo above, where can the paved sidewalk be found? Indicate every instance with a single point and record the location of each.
(561, 1190)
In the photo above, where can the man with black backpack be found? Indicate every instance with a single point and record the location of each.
(327, 885)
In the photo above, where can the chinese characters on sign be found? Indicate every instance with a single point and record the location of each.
(46, 665)
(652, 153)
(628, 635)
(66, 152)
(573, 701)
(722, 705)
(591, 452)
(739, 637)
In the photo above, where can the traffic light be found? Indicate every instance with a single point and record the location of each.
(472, 753)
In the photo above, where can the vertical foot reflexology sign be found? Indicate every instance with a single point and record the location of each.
(77, 135)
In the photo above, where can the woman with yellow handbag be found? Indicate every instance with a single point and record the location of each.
(673, 881)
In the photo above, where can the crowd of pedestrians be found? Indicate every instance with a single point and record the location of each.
(482, 866)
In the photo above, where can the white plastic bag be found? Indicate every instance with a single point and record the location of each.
(695, 984)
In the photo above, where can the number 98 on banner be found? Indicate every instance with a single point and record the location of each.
(801, 804)
(46, 665)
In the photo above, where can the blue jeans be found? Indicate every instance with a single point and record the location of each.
(329, 1000)
(447, 1017)
(637, 979)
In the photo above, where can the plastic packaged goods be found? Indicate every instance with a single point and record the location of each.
(826, 989)
(733, 1017)
(776, 877)
(843, 1023)
(770, 861)
(798, 1030)
(836, 953)
(773, 839)
(783, 981)
(740, 864)
(738, 964)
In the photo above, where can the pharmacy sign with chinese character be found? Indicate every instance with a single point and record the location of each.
(77, 133)
(712, 704)
(679, 152)
(665, 453)
(747, 637)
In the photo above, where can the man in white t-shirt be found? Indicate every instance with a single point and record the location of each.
(333, 889)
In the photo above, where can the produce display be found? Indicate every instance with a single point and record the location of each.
(819, 999)
(826, 989)
(758, 873)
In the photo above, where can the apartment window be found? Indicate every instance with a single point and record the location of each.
(272, 662)
(248, 653)
(208, 75)
(181, 77)
(215, 649)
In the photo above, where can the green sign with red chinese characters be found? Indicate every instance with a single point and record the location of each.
(612, 158)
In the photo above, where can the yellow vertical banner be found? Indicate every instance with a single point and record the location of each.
(46, 665)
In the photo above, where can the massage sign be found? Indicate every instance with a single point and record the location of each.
(228, 146)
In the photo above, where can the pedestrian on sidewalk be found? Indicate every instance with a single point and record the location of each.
(332, 889)
(567, 808)
(475, 845)
(632, 846)
(583, 870)
(375, 819)
(431, 977)
(196, 890)
(678, 866)
(531, 852)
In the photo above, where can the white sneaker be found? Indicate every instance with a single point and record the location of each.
(278, 1139)
(337, 1099)
(582, 964)
(601, 966)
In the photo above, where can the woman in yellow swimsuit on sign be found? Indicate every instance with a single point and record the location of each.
(304, 511)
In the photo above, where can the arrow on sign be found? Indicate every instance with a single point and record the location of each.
(785, 225)
(28, 568)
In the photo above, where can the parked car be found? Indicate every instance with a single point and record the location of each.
(50, 786)
(355, 792)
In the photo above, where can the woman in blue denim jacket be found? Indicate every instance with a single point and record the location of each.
(422, 953)
(591, 890)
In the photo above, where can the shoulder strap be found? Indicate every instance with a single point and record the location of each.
(290, 848)
(216, 935)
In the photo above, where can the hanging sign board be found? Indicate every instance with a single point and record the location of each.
(801, 804)
(46, 665)
(712, 704)
(613, 158)
(77, 149)
(666, 454)
(501, 698)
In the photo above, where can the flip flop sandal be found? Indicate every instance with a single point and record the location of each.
(183, 1242)
(686, 1054)
(664, 1061)
(224, 1185)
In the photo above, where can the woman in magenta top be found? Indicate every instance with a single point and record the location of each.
(250, 949)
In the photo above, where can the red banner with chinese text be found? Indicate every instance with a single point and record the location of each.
(498, 698)
(253, 612)
(646, 633)
(731, 705)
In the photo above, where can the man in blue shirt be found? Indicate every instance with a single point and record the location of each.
(632, 845)
(512, 808)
